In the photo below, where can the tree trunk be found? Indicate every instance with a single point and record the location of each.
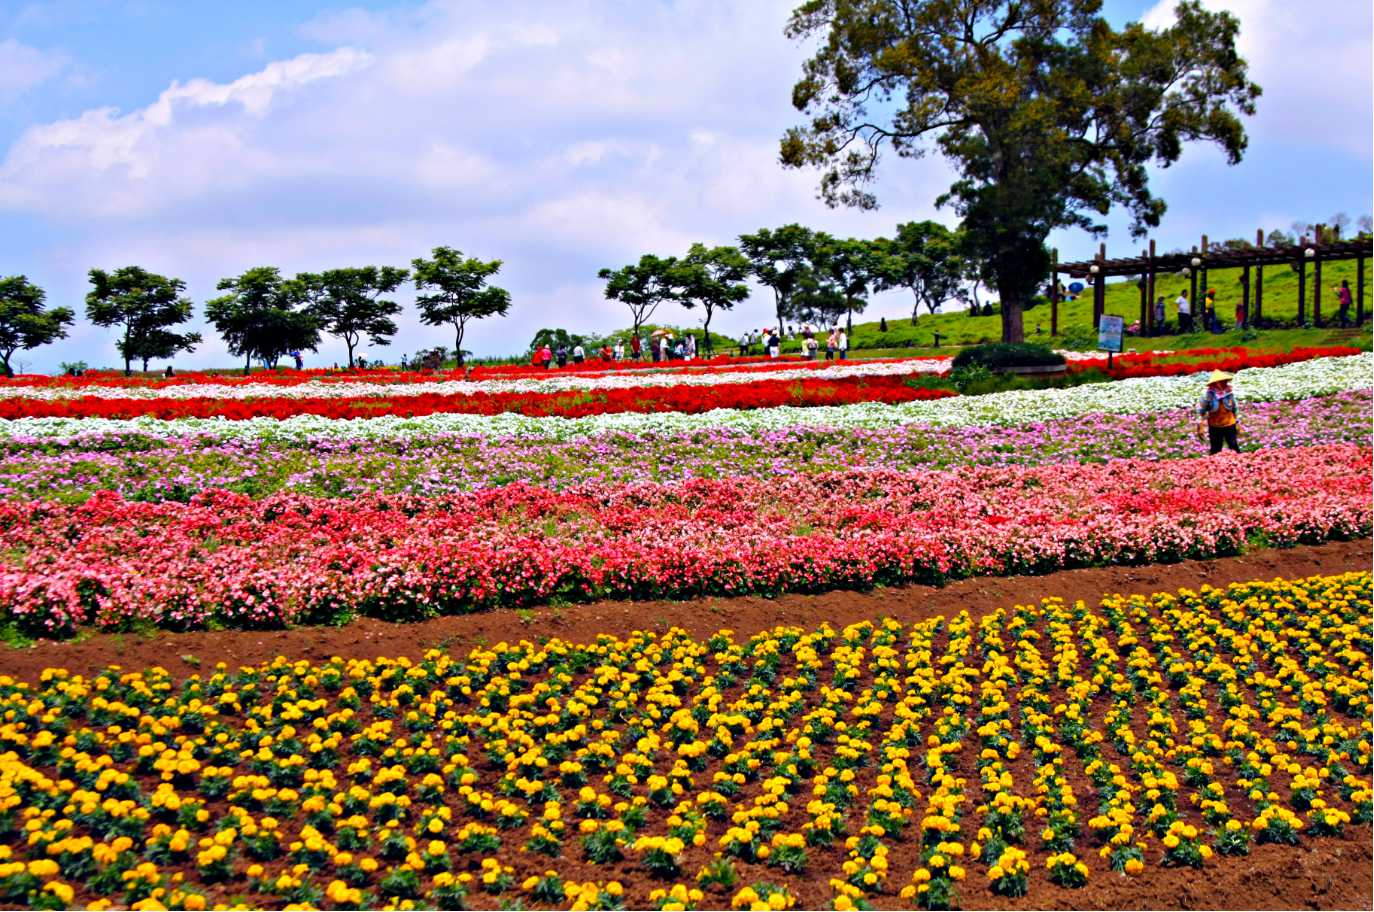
(1012, 330)
(781, 308)
(247, 363)
(706, 332)
(145, 365)
(849, 316)
(349, 343)
(5, 360)
(458, 344)
(916, 309)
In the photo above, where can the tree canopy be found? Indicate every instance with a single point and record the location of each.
(455, 290)
(713, 277)
(24, 323)
(349, 303)
(263, 316)
(924, 258)
(145, 305)
(641, 286)
(782, 260)
(1049, 115)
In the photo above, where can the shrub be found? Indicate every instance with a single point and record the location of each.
(1005, 354)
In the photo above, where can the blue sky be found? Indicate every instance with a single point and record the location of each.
(200, 139)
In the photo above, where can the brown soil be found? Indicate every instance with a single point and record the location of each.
(184, 654)
(1329, 873)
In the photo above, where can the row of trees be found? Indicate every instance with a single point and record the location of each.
(814, 277)
(262, 315)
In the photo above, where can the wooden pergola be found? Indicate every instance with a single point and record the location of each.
(1195, 263)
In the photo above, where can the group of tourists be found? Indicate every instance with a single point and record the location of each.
(836, 342)
(660, 346)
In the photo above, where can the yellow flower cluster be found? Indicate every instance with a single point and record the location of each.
(960, 751)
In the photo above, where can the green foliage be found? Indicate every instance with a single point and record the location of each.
(460, 291)
(144, 304)
(24, 323)
(262, 316)
(553, 338)
(781, 259)
(1009, 354)
(1050, 115)
(712, 277)
(349, 303)
(641, 286)
(925, 258)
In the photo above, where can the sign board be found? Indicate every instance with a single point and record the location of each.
(1109, 331)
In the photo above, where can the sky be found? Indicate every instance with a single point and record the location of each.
(198, 140)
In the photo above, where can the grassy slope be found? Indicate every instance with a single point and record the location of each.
(1123, 298)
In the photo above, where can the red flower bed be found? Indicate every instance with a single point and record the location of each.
(290, 558)
(1154, 364)
(762, 393)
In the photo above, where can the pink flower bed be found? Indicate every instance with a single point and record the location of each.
(230, 559)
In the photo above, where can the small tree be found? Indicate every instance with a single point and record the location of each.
(460, 291)
(1048, 113)
(24, 323)
(852, 265)
(144, 304)
(553, 338)
(641, 286)
(782, 260)
(923, 257)
(712, 277)
(349, 303)
(263, 316)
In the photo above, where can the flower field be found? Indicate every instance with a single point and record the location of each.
(991, 755)
(1027, 751)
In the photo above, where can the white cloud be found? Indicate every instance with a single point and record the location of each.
(23, 68)
(1312, 63)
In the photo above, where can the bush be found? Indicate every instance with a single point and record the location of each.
(1002, 354)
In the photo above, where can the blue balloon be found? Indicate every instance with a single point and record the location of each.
(1075, 287)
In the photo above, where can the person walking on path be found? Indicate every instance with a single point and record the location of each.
(635, 347)
(1218, 417)
(842, 343)
(1159, 316)
(546, 356)
(1185, 313)
(561, 355)
(1343, 298)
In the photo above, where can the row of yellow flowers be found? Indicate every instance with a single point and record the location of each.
(656, 770)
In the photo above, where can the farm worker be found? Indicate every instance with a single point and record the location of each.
(1185, 313)
(1343, 296)
(1217, 414)
(842, 343)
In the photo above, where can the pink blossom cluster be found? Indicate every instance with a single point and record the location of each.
(229, 559)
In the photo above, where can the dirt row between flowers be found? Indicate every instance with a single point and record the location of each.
(185, 654)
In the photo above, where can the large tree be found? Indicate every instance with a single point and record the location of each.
(782, 260)
(24, 323)
(1049, 114)
(144, 305)
(712, 277)
(455, 290)
(924, 258)
(350, 305)
(263, 316)
(641, 286)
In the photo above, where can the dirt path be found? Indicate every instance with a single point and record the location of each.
(187, 653)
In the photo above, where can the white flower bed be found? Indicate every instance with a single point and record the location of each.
(552, 383)
(1149, 394)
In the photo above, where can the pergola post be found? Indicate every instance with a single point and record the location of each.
(1259, 281)
(1317, 278)
(1302, 282)
(1150, 287)
(1245, 293)
(1054, 292)
(1200, 307)
(1099, 289)
(1359, 290)
(1192, 289)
